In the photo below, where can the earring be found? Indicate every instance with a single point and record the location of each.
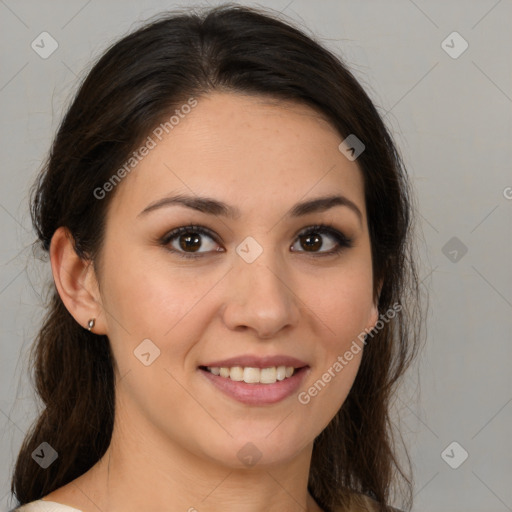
(90, 324)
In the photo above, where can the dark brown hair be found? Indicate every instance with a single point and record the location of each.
(135, 84)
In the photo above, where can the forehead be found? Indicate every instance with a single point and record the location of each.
(255, 153)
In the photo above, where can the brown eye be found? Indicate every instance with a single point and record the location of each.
(313, 240)
(192, 242)
(189, 240)
(186, 241)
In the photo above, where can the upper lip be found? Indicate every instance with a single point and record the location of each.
(257, 362)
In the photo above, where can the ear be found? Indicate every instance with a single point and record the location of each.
(374, 313)
(76, 281)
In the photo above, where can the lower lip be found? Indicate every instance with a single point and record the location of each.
(258, 394)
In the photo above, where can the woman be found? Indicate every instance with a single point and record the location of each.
(229, 227)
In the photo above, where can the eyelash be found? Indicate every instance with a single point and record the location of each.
(320, 229)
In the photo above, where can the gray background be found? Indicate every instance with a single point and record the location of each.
(451, 118)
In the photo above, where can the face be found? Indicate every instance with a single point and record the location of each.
(254, 284)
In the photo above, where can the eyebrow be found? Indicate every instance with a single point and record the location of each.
(212, 206)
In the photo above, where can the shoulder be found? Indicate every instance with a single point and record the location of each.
(45, 506)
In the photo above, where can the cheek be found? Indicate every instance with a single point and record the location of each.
(147, 298)
(150, 296)
(344, 305)
(341, 301)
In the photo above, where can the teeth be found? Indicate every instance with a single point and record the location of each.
(267, 375)
(250, 375)
(236, 373)
(281, 373)
(254, 375)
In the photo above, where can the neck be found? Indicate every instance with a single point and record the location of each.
(144, 470)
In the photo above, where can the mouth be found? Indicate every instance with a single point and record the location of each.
(252, 375)
(255, 386)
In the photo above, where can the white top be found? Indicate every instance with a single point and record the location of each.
(52, 506)
(45, 506)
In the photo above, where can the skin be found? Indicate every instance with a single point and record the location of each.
(176, 437)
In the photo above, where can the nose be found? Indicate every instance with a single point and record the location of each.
(260, 298)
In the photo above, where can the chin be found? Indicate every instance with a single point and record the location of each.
(249, 452)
